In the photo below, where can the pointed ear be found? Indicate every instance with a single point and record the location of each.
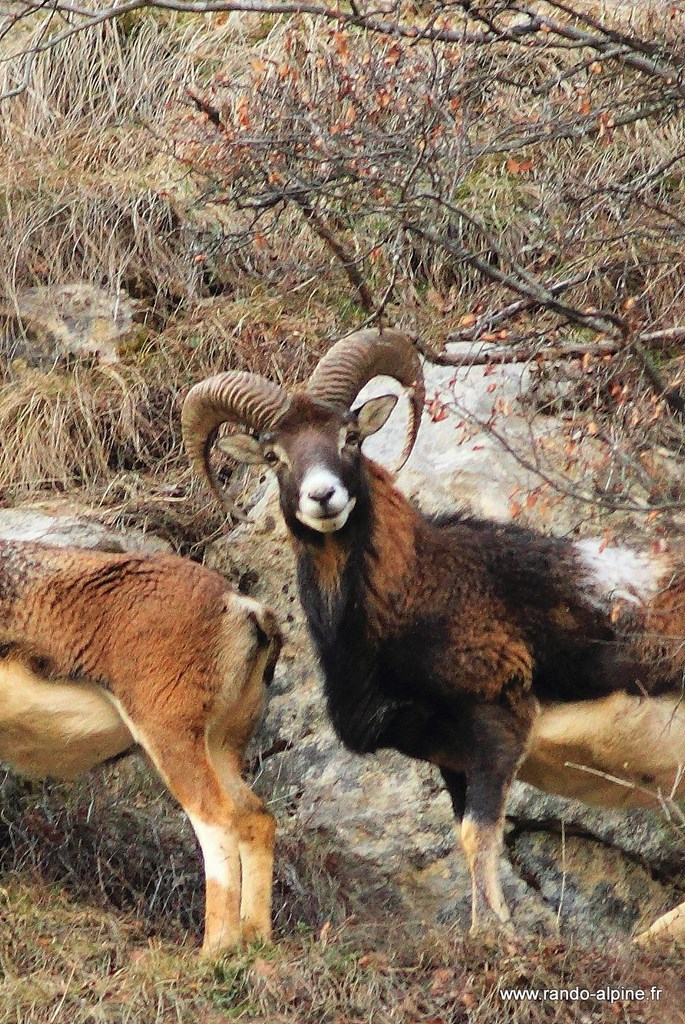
(373, 414)
(242, 448)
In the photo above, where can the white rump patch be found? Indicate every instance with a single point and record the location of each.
(622, 573)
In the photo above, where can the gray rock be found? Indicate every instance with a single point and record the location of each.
(29, 524)
(45, 324)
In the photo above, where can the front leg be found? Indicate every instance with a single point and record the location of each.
(455, 783)
(499, 743)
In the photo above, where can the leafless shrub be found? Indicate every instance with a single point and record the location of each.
(441, 174)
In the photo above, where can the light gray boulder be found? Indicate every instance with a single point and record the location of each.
(65, 530)
(45, 324)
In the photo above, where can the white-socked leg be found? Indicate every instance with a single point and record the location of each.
(255, 829)
(193, 780)
(220, 852)
(482, 844)
(235, 832)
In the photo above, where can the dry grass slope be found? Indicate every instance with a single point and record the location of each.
(99, 914)
(99, 884)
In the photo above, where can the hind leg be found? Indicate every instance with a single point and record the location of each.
(182, 759)
(255, 830)
(218, 841)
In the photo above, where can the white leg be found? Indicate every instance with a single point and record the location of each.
(220, 852)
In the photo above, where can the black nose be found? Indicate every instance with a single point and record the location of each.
(322, 494)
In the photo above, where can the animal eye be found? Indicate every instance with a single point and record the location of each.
(352, 437)
(270, 457)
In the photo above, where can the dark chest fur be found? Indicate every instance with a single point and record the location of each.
(372, 685)
(496, 613)
(385, 680)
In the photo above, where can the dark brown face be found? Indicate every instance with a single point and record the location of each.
(315, 452)
(318, 471)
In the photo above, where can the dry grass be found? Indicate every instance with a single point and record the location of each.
(67, 962)
(101, 908)
(113, 432)
(64, 429)
(85, 179)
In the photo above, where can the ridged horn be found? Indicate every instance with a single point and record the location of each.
(236, 397)
(354, 360)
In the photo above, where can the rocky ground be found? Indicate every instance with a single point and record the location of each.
(366, 844)
(128, 271)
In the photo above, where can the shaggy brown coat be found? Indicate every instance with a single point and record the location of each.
(104, 651)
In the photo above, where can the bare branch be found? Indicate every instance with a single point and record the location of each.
(446, 23)
(340, 251)
(520, 281)
(495, 356)
(491, 320)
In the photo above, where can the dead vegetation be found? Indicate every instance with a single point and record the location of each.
(260, 192)
(436, 180)
(114, 430)
(81, 199)
(100, 910)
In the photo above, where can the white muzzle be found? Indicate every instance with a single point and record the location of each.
(325, 503)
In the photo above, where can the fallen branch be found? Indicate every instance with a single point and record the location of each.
(667, 336)
(524, 354)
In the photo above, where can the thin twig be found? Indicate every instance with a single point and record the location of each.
(342, 254)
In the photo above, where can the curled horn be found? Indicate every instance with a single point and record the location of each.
(354, 360)
(236, 397)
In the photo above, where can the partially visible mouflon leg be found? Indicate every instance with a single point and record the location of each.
(217, 837)
(669, 927)
(482, 842)
(255, 830)
(500, 739)
(194, 781)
